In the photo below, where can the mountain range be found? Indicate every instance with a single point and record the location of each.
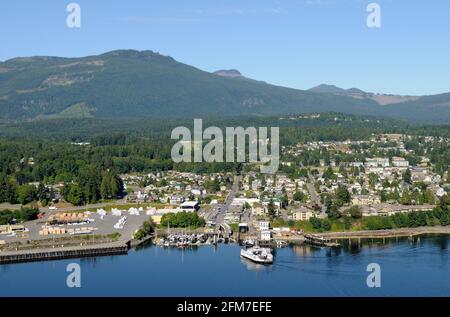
(381, 99)
(129, 83)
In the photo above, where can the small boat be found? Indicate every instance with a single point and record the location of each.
(258, 255)
(281, 244)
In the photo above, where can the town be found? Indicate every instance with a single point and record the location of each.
(389, 181)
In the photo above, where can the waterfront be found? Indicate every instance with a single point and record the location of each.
(409, 268)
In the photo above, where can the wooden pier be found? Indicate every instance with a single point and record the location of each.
(319, 241)
(61, 253)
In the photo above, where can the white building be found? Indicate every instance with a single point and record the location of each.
(198, 192)
(141, 195)
(377, 161)
(264, 225)
(176, 199)
(190, 206)
(258, 210)
(399, 162)
(266, 235)
(302, 215)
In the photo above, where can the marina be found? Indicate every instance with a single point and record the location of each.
(184, 240)
(254, 249)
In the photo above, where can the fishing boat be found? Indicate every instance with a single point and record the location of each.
(258, 255)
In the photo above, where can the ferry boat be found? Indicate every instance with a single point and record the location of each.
(249, 243)
(258, 255)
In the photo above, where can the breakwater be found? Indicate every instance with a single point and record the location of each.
(61, 253)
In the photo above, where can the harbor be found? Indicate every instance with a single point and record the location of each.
(87, 245)
(297, 270)
(184, 240)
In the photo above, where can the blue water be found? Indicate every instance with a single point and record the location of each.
(407, 269)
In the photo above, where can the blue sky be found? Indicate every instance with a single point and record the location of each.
(294, 43)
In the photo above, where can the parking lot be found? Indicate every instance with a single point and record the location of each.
(100, 227)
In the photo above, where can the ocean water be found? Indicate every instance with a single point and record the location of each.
(408, 268)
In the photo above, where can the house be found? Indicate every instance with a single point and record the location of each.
(302, 214)
(266, 235)
(198, 192)
(245, 200)
(389, 210)
(264, 225)
(399, 162)
(139, 195)
(365, 200)
(258, 210)
(176, 199)
(377, 162)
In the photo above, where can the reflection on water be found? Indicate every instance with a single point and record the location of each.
(303, 250)
(252, 266)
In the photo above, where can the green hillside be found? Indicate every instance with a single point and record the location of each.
(134, 84)
(128, 83)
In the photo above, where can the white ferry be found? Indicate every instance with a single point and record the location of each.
(258, 255)
(249, 243)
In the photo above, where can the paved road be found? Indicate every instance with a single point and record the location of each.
(246, 218)
(220, 210)
(312, 190)
(8, 206)
(284, 215)
(89, 206)
(118, 202)
(314, 196)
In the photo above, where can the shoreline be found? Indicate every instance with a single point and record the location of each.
(37, 255)
(122, 247)
(387, 233)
